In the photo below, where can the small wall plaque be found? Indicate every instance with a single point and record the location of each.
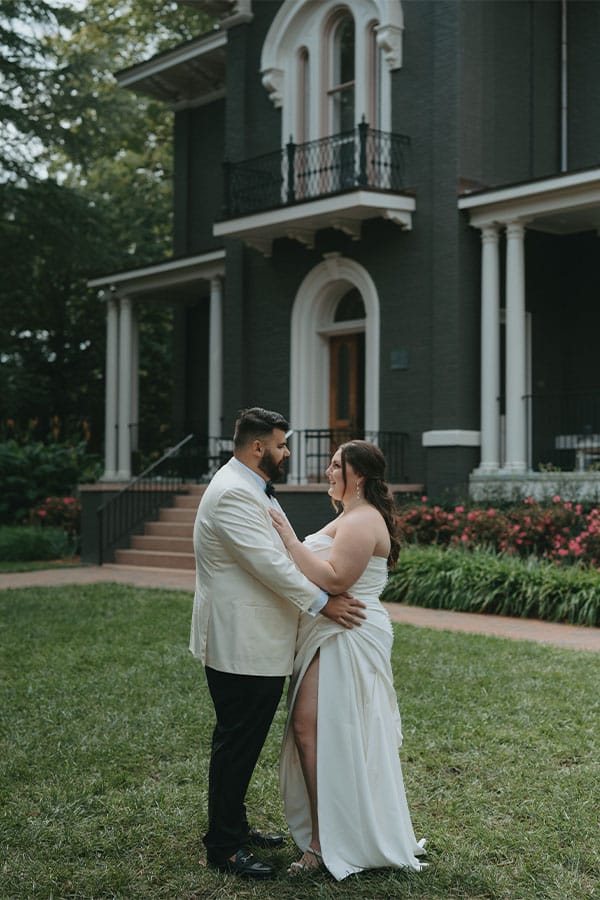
(399, 359)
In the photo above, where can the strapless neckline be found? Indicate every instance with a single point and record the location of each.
(322, 535)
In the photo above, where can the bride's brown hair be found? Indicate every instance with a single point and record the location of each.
(368, 461)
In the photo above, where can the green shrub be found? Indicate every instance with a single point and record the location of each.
(484, 582)
(31, 472)
(24, 543)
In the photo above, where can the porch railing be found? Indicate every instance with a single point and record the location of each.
(363, 157)
(312, 449)
(564, 429)
(196, 459)
(141, 499)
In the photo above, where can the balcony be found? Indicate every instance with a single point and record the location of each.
(336, 182)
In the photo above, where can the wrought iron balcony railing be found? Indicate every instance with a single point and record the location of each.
(361, 158)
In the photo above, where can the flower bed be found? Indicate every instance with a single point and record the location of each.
(562, 532)
(59, 512)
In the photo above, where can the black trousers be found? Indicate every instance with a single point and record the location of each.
(244, 706)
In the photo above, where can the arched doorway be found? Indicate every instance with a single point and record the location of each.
(334, 373)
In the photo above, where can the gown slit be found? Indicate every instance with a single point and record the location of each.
(364, 820)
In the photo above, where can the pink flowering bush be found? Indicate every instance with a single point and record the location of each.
(58, 512)
(561, 532)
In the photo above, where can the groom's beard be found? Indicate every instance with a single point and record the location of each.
(272, 470)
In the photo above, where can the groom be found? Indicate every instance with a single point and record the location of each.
(249, 596)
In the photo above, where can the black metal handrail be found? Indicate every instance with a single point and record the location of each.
(362, 158)
(139, 501)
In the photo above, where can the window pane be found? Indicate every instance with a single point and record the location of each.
(343, 383)
(345, 48)
(351, 306)
(304, 98)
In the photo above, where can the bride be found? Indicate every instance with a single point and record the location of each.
(340, 775)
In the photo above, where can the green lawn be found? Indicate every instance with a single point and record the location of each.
(33, 566)
(105, 727)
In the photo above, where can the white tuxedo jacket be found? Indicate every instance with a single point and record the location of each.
(249, 594)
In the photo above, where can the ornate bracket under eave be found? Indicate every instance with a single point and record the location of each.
(305, 236)
(272, 81)
(399, 217)
(301, 221)
(264, 246)
(351, 227)
(389, 39)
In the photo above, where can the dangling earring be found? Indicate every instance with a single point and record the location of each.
(358, 494)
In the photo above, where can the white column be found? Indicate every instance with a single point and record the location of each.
(135, 381)
(516, 384)
(125, 348)
(215, 368)
(111, 376)
(490, 351)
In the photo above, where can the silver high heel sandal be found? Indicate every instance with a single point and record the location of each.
(305, 863)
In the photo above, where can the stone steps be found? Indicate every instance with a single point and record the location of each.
(154, 558)
(167, 542)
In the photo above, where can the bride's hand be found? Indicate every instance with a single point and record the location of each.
(283, 528)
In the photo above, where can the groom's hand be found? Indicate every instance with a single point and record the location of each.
(344, 610)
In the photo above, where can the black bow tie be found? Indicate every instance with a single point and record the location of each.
(269, 489)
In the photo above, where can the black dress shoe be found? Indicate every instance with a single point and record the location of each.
(244, 864)
(266, 841)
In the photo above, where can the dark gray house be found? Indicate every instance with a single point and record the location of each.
(386, 224)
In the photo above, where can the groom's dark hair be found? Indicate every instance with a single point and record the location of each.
(255, 423)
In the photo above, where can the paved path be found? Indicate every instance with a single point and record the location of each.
(575, 637)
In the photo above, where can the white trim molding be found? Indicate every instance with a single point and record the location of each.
(312, 316)
(164, 274)
(302, 221)
(451, 437)
(306, 25)
(563, 204)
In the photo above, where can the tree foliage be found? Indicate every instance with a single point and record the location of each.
(85, 189)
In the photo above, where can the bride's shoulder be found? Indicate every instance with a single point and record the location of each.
(361, 517)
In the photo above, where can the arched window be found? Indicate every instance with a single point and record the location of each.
(326, 65)
(350, 307)
(303, 120)
(342, 81)
(373, 79)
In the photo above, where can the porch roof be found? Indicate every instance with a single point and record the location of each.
(561, 204)
(191, 74)
(173, 274)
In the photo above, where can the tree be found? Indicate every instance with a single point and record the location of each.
(25, 62)
(85, 189)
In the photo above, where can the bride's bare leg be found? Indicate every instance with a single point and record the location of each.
(304, 723)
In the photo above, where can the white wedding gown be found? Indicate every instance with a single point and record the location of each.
(364, 821)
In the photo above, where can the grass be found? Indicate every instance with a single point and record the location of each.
(35, 565)
(105, 727)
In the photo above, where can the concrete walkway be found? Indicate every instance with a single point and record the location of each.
(574, 637)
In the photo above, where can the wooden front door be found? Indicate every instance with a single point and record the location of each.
(347, 385)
